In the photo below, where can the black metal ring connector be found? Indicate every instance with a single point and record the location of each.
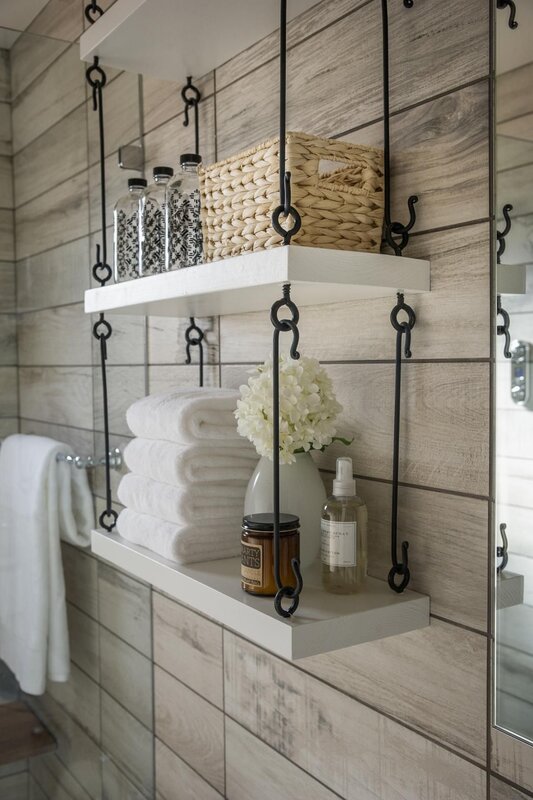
(502, 552)
(503, 330)
(101, 272)
(108, 514)
(503, 4)
(501, 235)
(95, 69)
(93, 12)
(403, 329)
(195, 341)
(280, 326)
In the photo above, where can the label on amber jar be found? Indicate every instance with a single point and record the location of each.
(338, 546)
(252, 564)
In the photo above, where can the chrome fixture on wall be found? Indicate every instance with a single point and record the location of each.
(90, 462)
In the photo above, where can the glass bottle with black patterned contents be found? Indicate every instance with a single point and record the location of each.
(154, 223)
(185, 240)
(126, 242)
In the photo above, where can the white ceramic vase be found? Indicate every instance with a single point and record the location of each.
(301, 492)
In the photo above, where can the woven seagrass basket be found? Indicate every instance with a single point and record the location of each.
(341, 209)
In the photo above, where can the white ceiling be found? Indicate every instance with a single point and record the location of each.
(17, 14)
(514, 48)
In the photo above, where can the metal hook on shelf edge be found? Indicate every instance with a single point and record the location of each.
(510, 4)
(502, 551)
(503, 330)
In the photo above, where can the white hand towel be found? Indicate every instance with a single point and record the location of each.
(186, 544)
(41, 501)
(187, 416)
(190, 464)
(189, 505)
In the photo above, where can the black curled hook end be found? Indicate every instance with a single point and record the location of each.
(510, 4)
(287, 324)
(191, 96)
(402, 570)
(292, 593)
(502, 552)
(407, 325)
(288, 210)
(192, 341)
(398, 229)
(503, 330)
(93, 12)
(108, 519)
(501, 235)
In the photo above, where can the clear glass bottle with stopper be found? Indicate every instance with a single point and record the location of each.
(154, 223)
(344, 534)
(126, 214)
(185, 236)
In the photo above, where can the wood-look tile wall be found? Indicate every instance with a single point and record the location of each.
(402, 719)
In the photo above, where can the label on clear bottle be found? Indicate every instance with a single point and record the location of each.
(339, 543)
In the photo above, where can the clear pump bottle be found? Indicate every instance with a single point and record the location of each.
(126, 242)
(154, 223)
(344, 534)
(185, 238)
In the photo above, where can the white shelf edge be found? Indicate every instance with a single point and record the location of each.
(252, 282)
(323, 623)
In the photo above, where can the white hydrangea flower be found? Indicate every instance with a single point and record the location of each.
(308, 408)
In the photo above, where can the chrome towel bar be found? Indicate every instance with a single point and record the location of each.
(89, 462)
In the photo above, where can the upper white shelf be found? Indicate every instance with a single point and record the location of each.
(253, 282)
(322, 623)
(172, 39)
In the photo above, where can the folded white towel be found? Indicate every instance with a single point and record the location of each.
(185, 505)
(187, 416)
(183, 464)
(41, 501)
(186, 544)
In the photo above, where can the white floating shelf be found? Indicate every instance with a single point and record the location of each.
(253, 282)
(174, 38)
(323, 623)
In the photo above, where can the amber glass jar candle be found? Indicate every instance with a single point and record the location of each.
(257, 556)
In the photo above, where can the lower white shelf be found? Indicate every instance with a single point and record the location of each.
(323, 622)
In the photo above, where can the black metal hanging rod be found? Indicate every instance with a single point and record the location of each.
(503, 329)
(191, 96)
(285, 208)
(194, 337)
(403, 332)
(102, 330)
(283, 325)
(501, 235)
(503, 4)
(396, 234)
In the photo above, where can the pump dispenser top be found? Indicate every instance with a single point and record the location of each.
(344, 483)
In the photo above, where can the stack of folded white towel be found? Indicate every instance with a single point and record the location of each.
(184, 496)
